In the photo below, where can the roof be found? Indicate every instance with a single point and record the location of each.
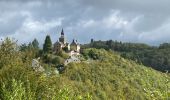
(74, 42)
(62, 32)
(58, 43)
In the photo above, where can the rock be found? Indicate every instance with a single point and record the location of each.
(36, 66)
(72, 59)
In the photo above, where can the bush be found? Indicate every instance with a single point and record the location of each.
(57, 60)
(9, 54)
(18, 91)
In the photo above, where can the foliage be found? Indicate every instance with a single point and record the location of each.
(9, 54)
(18, 81)
(17, 92)
(105, 75)
(63, 54)
(155, 57)
(35, 44)
(53, 59)
(20, 92)
(29, 52)
(47, 47)
(111, 77)
(57, 60)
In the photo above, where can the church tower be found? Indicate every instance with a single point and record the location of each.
(72, 49)
(62, 38)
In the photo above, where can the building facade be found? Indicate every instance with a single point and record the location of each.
(61, 44)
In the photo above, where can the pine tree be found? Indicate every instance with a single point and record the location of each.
(47, 47)
(35, 43)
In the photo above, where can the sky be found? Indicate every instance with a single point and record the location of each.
(139, 21)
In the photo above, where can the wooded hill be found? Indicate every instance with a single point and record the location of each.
(157, 57)
(101, 75)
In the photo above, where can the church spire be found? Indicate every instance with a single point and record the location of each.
(62, 32)
(62, 39)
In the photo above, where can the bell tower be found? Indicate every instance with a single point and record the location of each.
(62, 38)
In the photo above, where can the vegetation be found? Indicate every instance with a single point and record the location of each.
(35, 43)
(47, 47)
(102, 75)
(152, 56)
(18, 81)
(108, 76)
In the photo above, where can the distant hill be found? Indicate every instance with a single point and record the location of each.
(108, 76)
(157, 57)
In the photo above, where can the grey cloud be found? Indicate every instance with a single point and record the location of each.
(10, 23)
(148, 23)
(153, 6)
(85, 19)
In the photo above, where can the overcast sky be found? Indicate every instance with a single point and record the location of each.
(146, 21)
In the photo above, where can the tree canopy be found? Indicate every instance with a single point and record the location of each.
(152, 56)
(35, 43)
(47, 47)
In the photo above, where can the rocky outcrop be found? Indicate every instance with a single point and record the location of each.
(36, 66)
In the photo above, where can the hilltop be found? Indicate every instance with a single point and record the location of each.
(100, 75)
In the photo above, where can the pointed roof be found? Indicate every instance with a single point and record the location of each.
(62, 32)
(73, 42)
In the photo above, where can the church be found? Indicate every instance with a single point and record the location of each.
(61, 44)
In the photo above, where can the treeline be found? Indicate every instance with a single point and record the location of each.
(46, 53)
(157, 57)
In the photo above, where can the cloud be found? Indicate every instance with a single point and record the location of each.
(125, 20)
(31, 29)
(158, 35)
(114, 21)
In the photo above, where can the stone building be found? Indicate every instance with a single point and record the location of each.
(75, 46)
(61, 44)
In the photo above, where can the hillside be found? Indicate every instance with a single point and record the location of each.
(156, 57)
(101, 75)
(110, 76)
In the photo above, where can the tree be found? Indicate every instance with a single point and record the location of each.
(57, 60)
(47, 47)
(109, 43)
(23, 47)
(35, 43)
(9, 53)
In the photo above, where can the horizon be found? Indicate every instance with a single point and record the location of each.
(55, 39)
(144, 21)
